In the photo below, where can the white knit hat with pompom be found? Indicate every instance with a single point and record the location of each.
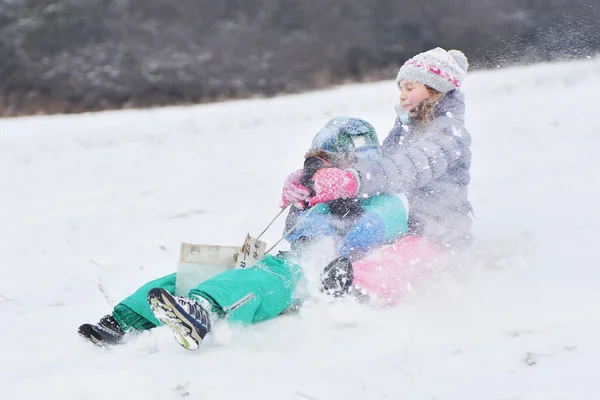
(437, 68)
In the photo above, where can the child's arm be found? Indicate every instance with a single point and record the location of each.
(406, 169)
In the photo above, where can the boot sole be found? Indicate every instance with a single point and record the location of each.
(90, 333)
(86, 332)
(337, 277)
(169, 313)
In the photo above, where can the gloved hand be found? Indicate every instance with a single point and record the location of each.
(331, 184)
(294, 192)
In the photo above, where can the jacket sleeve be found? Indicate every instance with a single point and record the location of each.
(384, 220)
(404, 169)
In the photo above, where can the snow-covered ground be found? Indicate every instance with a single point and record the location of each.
(94, 205)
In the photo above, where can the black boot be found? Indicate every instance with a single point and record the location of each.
(337, 277)
(105, 332)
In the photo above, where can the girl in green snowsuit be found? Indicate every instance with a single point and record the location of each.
(264, 291)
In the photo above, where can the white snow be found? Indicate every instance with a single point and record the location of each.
(94, 205)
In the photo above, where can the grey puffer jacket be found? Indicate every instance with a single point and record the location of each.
(432, 168)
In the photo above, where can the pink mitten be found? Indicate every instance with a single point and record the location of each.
(294, 192)
(331, 184)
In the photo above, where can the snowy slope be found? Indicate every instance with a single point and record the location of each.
(94, 205)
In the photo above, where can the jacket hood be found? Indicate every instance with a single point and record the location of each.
(452, 102)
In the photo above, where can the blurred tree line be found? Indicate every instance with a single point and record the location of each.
(77, 55)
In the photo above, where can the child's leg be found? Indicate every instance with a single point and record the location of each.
(388, 273)
(384, 221)
(309, 225)
(134, 312)
(254, 294)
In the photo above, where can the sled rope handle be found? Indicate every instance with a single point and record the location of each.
(289, 230)
(273, 220)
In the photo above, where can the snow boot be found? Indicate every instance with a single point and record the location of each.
(105, 332)
(186, 318)
(337, 277)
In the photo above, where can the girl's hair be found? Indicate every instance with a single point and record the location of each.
(423, 114)
(330, 159)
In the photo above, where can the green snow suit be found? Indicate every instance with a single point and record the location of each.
(241, 295)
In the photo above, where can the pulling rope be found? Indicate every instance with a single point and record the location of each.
(289, 230)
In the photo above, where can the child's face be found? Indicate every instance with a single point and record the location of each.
(412, 94)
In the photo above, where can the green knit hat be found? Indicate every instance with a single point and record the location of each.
(349, 136)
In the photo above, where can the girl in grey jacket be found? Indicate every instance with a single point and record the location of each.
(426, 155)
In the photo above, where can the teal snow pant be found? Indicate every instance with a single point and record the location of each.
(241, 295)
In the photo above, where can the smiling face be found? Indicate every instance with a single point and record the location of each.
(412, 94)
